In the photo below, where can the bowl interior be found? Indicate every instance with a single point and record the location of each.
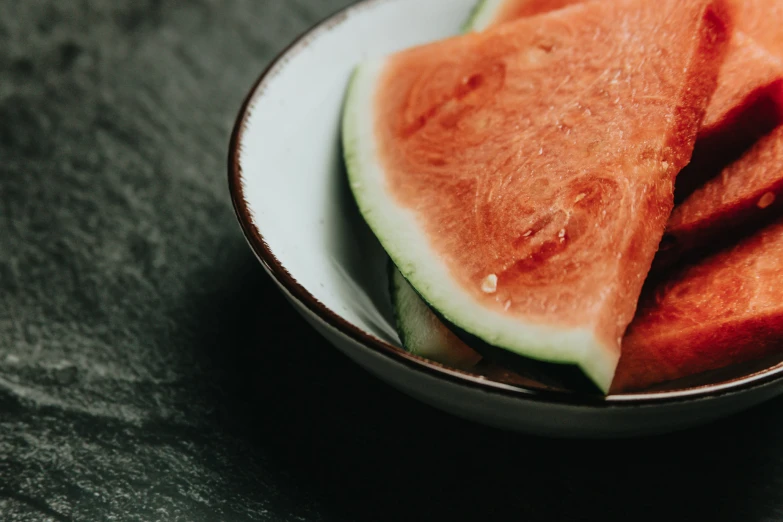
(292, 176)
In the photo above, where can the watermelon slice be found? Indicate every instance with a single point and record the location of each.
(521, 178)
(742, 110)
(720, 312)
(750, 81)
(746, 194)
(747, 105)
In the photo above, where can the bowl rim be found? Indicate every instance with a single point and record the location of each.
(305, 299)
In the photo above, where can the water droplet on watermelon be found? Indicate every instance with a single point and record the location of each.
(490, 284)
(766, 200)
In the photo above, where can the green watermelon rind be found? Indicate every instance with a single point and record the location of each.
(482, 16)
(420, 330)
(396, 229)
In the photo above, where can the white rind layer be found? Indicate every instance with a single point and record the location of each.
(409, 249)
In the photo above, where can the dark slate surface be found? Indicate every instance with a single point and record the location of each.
(150, 371)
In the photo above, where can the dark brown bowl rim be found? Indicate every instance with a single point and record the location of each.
(276, 269)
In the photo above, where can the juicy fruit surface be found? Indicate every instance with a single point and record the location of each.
(761, 19)
(746, 192)
(539, 160)
(749, 74)
(743, 107)
(725, 310)
(746, 105)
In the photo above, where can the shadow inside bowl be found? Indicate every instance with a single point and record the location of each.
(356, 255)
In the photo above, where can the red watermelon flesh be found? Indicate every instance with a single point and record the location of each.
(540, 156)
(763, 21)
(742, 108)
(749, 72)
(745, 194)
(725, 310)
(747, 105)
(748, 190)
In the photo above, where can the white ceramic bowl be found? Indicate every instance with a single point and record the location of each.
(289, 189)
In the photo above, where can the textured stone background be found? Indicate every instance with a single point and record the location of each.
(150, 371)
